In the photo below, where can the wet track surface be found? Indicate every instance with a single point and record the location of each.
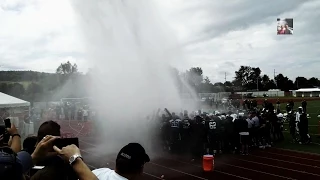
(266, 164)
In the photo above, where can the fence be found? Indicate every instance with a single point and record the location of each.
(262, 93)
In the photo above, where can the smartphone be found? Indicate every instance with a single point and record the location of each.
(63, 142)
(2, 129)
(4, 133)
(7, 123)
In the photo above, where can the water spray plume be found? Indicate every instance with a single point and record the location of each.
(132, 51)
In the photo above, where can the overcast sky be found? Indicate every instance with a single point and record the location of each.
(219, 37)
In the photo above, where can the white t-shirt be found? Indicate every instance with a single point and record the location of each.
(85, 113)
(250, 123)
(256, 121)
(107, 174)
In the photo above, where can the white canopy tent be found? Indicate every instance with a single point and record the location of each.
(7, 101)
(16, 105)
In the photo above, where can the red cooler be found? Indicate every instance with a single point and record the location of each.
(208, 163)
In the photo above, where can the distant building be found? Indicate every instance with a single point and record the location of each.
(308, 92)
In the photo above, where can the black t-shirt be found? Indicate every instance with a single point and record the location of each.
(304, 103)
(229, 128)
(241, 125)
(292, 120)
(186, 124)
(212, 126)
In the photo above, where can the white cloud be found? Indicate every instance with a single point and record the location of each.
(217, 36)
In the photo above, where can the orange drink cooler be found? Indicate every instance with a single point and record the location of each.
(208, 163)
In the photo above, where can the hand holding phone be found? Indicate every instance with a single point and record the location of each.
(63, 142)
(7, 123)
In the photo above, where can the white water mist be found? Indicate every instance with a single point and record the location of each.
(131, 49)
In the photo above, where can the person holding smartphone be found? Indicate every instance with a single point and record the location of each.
(14, 140)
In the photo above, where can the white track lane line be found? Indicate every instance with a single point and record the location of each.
(171, 168)
(286, 161)
(198, 177)
(232, 166)
(155, 164)
(201, 167)
(181, 162)
(259, 171)
(292, 156)
(279, 167)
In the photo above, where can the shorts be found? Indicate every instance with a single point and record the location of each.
(244, 138)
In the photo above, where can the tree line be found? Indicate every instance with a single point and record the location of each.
(246, 78)
(37, 86)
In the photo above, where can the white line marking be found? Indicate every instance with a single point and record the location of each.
(315, 143)
(152, 175)
(232, 175)
(87, 143)
(293, 156)
(258, 171)
(178, 171)
(278, 167)
(171, 168)
(286, 161)
(230, 165)
(160, 166)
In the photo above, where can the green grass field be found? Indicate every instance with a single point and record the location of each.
(313, 109)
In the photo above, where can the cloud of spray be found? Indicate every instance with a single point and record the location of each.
(132, 50)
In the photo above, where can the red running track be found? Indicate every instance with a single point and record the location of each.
(266, 164)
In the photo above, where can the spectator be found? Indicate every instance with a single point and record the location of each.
(13, 166)
(72, 155)
(85, 114)
(129, 164)
(304, 106)
(29, 144)
(52, 163)
(12, 138)
(48, 128)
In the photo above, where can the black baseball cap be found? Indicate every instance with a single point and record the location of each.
(134, 154)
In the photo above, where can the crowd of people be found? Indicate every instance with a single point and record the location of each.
(39, 157)
(233, 129)
(65, 111)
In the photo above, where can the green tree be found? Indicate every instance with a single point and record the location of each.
(248, 78)
(284, 83)
(16, 90)
(302, 82)
(314, 82)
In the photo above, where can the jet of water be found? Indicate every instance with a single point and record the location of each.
(132, 49)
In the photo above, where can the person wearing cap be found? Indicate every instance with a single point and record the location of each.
(129, 164)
